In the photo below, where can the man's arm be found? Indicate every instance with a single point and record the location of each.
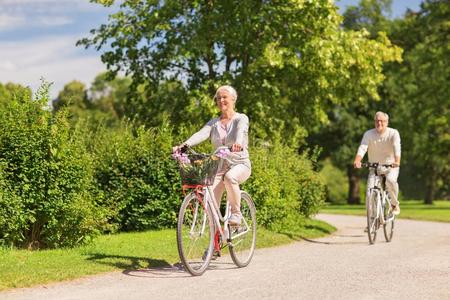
(396, 164)
(357, 161)
(361, 151)
(397, 148)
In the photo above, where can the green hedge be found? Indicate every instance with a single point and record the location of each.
(283, 183)
(45, 178)
(137, 178)
(62, 184)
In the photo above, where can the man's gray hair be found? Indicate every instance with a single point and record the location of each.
(229, 89)
(380, 113)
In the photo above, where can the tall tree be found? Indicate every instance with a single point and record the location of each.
(348, 120)
(11, 90)
(421, 84)
(74, 96)
(290, 61)
(372, 15)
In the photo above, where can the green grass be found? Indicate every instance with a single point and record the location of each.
(124, 251)
(416, 210)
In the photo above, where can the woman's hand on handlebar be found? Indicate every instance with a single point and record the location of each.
(179, 148)
(236, 148)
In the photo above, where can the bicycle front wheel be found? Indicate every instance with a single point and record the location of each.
(388, 226)
(372, 220)
(195, 234)
(243, 238)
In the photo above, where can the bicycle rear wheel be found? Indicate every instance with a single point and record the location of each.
(372, 220)
(388, 226)
(195, 234)
(243, 238)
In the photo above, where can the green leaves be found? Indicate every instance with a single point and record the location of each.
(45, 177)
(291, 56)
(420, 87)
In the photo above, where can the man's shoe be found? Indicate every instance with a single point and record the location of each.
(235, 219)
(396, 210)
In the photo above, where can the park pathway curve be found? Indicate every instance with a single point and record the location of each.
(415, 265)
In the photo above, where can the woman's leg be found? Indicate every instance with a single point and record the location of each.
(235, 176)
(218, 187)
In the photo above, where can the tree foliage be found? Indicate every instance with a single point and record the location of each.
(349, 120)
(45, 177)
(372, 15)
(291, 56)
(421, 87)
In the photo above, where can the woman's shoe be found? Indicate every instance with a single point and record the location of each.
(235, 219)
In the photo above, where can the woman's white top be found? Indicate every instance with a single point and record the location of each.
(236, 133)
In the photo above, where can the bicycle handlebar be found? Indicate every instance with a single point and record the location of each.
(186, 149)
(375, 165)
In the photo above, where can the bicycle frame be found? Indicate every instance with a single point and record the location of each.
(201, 223)
(209, 199)
(382, 199)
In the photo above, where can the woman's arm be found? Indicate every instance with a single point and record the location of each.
(201, 135)
(241, 132)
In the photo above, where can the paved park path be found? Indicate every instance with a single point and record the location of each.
(415, 265)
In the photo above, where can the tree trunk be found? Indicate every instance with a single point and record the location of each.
(431, 186)
(353, 186)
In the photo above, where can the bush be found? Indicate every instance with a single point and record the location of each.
(62, 185)
(336, 182)
(12, 215)
(283, 183)
(141, 186)
(138, 179)
(46, 178)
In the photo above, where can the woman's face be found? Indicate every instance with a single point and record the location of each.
(225, 101)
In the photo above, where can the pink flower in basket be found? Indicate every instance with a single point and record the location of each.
(181, 157)
(223, 153)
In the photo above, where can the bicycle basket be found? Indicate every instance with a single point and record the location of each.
(199, 169)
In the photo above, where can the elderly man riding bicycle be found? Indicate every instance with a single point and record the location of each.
(383, 146)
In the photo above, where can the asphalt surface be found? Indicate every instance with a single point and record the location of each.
(415, 265)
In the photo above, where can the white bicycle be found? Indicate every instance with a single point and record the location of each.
(378, 205)
(202, 230)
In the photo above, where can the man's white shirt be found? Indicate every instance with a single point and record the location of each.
(382, 148)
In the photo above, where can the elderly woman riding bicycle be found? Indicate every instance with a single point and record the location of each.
(230, 129)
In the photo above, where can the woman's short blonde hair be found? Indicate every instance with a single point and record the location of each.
(230, 91)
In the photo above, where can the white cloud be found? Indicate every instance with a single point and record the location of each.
(11, 21)
(7, 66)
(43, 2)
(55, 58)
(54, 21)
(51, 5)
(20, 14)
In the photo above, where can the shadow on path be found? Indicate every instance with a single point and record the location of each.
(176, 271)
(127, 262)
(149, 267)
(337, 238)
(355, 239)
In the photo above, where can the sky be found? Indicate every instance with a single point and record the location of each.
(37, 39)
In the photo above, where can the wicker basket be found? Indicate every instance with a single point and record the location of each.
(200, 170)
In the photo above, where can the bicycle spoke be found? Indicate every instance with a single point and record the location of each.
(194, 235)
